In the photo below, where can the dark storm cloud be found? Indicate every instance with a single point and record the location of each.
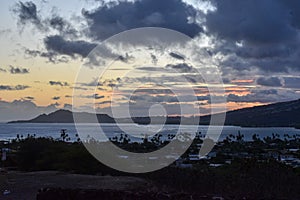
(61, 25)
(11, 88)
(57, 23)
(71, 48)
(248, 20)
(261, 34)
(269, 81)
(251, 34)
(27, 12)
(292, 82)
(58, 83)
(113, 18)
(56, 45)
(18, 70)
(103, 22)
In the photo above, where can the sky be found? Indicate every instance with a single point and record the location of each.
(253, 46)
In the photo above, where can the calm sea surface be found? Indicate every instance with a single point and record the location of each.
(10, 131)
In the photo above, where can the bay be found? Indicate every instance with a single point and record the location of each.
(10, 131)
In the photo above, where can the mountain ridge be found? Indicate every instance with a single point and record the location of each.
(285, 114)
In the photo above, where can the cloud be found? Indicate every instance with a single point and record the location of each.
(152, 69)
(292, 82)
(269, 81)
(112, 18)
(248, 21)
(22, 110)
(94, 96)
(55, 98)
(105, 83)
(104, 102)
(5, 31)
(264, 96)
(58, 83)
(182, 67)
(18, 70)
(103, 22)
(52, 56)
(62, 26)
(79, 88)
(92, 83)
(146, 98)
(56, 45)
(27, 12)
(243, 34)
(250, 38)
(29, 98)
(158, 96)
(125, 58)
(59, 45)
(154, 59)
(142, 109)
(13, 88)
(177, 56)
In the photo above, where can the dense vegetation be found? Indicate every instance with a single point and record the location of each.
(244, 177)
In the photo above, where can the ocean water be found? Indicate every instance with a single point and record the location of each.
(10, 131)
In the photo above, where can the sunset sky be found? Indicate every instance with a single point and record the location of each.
(44, 43)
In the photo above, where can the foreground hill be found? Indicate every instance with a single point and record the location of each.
(277, 114)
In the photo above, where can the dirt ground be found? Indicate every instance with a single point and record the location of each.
(24, 186)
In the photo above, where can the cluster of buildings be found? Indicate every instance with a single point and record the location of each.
(224, 154)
